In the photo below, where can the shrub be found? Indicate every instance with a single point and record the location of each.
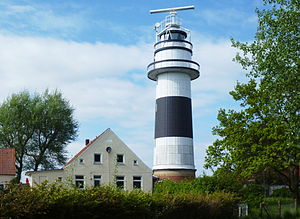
(253, 194)
(57, 201)
(217, 205)
(282, 192)
(205, 184)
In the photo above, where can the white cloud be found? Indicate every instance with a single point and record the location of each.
(13, 9)
(217, 67)
(40, 62)
(218, 73)
(108, 82)
(39, 18)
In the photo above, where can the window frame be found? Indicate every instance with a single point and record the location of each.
(97, 178)
(140, 181)
(97, 162)
(120, 180)
(123, 159)
(79, 182)
(81, 161)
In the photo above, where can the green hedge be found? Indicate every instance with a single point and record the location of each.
(282, 192)
(57, 201)
(200, 185)
(252, 194)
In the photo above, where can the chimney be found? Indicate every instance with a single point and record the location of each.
(87, 141)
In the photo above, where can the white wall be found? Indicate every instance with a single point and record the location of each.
(37, 177)
(5, 179)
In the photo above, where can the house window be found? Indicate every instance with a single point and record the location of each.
(97, 158)
(135, 162)
(120, 159)
(137, 182)
(79, 181)
(120, 180)
(81, 161)
(97, 180)
(59, 179)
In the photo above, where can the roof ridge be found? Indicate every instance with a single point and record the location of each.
(86, 147)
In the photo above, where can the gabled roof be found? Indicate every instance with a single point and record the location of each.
(7, 161)
(86, 147)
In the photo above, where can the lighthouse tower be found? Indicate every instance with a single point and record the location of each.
(173, 70)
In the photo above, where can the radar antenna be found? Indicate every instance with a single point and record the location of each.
(172, 9)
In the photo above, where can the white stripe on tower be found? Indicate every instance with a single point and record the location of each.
(173, 84)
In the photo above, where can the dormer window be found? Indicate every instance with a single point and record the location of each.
(97, 158)
(120, 159)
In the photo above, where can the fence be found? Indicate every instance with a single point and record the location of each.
(268, 210)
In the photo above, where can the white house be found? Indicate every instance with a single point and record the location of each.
(106, 160)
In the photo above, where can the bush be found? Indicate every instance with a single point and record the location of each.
(217, 205)
(57, 201)
(205, 184)
(253, 194)
(282, 192)
(182, 187)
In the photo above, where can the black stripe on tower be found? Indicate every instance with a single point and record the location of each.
(173, 117)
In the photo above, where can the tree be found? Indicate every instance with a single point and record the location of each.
(15, 113)
(265, 134)
(39, 127)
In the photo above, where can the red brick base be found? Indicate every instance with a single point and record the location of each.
(174, 175)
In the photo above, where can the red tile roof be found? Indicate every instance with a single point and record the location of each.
(86, 147)
(7, 161)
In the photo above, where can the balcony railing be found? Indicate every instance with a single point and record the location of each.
(173, 63)
(185, 66)
(179, 43)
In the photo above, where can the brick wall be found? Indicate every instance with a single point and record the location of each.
(7, 161)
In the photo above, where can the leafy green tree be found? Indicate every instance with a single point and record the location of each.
(265, 134)
(15, 114)
(39, 126)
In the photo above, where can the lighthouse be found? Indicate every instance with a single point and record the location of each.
(173, 70)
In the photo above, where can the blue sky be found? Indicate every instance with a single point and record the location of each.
(96, 52)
